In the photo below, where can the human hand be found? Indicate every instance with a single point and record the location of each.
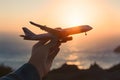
(43, 54)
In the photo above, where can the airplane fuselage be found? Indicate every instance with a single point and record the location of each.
(61, 34)
(74, 30)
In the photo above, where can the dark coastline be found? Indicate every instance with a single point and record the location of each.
(72, 72)
(117, 49)
(94, 72)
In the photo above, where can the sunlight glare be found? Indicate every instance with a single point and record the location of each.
(74, 19)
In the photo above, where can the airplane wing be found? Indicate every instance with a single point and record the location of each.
(58, 28)
(45, 28)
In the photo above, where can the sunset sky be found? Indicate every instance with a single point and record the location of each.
(102, 15)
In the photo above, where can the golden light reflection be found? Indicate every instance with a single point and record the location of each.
(76, 63)
(72, 57)
(72, 60)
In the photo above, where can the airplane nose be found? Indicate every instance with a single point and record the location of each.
(90, 28)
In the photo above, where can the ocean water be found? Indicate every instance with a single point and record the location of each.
(82, 60)
(14, 52)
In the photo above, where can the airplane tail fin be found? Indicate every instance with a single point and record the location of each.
(27, 32)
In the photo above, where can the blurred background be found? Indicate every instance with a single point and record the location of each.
(98, 46)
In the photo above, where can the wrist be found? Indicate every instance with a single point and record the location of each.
(40, 68)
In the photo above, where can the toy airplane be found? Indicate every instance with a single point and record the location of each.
(61, 34)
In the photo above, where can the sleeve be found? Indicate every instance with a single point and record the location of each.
(26, 72)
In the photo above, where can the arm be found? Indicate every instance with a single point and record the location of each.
(26, 72)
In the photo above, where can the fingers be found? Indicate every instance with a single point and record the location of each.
(52, 42)
(40, 43)
(54, 53)
(55, 46)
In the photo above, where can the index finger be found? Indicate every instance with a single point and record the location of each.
(53, 42)
(40, 43)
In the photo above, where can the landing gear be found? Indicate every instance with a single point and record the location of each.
(85, 33)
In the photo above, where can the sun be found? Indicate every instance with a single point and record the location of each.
(74, 20)
(73, 17)
(66, 15)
